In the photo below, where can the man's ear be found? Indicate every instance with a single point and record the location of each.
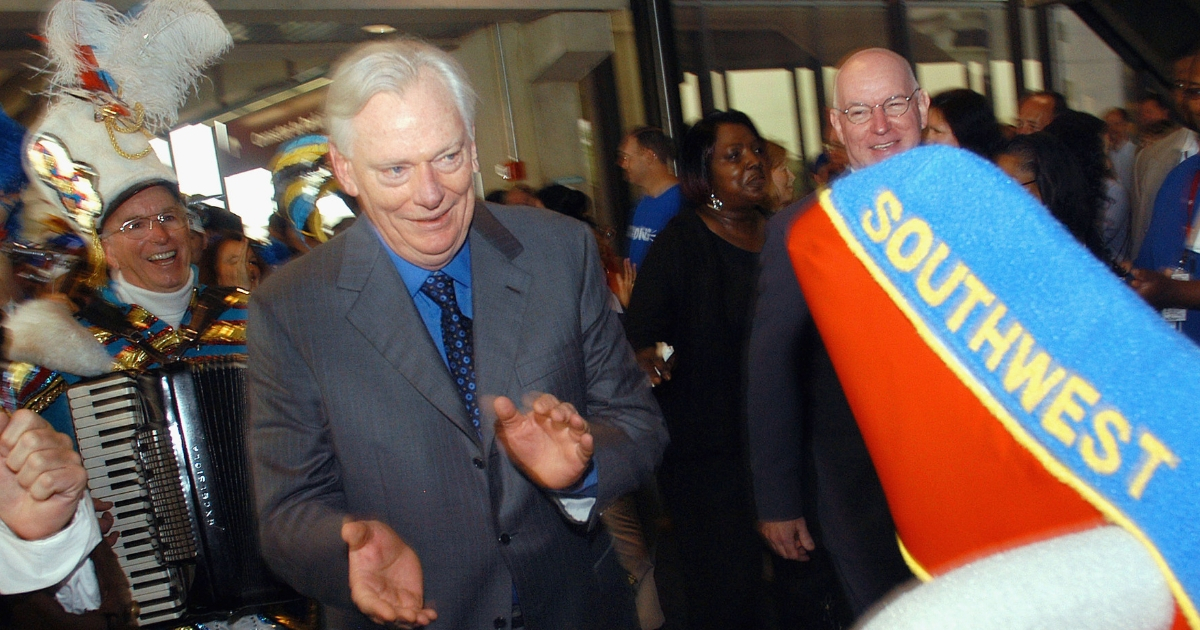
(109, 259)
(343, 171)
(835, 121)
(923, 108)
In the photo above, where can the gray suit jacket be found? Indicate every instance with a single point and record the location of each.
(806, 452)
(353, 412)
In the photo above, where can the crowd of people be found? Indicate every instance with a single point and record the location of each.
(499, 413)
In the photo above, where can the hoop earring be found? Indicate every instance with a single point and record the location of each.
(713, 203)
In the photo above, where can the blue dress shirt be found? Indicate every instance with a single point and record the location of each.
(459, 270)
(577, 500)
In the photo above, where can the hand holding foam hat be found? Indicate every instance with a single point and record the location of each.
(1029, 416)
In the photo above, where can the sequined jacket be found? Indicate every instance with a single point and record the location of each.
(136, 339)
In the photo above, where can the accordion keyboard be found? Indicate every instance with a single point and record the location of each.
(130, 463)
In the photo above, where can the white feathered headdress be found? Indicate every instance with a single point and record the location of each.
(152, 58)
(116, 80)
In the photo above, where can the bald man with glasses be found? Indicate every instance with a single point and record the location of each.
(807, 455)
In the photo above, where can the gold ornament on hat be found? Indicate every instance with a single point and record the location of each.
(76, 185)
(113, 123)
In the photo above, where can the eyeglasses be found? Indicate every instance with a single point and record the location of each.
(1191, 91)
(894, 107)
(139, 228)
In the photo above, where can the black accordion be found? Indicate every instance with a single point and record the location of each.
(167, 447)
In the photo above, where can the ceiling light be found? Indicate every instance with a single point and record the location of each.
(379, 29)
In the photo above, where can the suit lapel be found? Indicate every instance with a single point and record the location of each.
(384, 313)
(500, 291)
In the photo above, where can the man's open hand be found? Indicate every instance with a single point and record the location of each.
(789, 539)
(385, 575)
(41, 477)
(550, 443)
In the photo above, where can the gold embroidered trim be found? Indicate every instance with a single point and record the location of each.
(102, 335)
(237, 299)
(19, 371)
(131, 358)
(224, 333)
(43, 399)
(140, 317)
(167, 341)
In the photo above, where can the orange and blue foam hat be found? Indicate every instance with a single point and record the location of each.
(1009, 387)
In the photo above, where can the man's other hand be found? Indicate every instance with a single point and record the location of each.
(550, 443)
(1161, 291)
(385, 575)
(789, 539)
(42, 477)
(653, 365)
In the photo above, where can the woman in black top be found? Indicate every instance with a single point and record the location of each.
(695, 293)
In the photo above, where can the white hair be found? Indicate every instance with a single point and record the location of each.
(390, 66)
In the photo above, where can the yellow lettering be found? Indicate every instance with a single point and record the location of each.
(935, 297)
(912, 227)
(886, 204)
(1108, 462)
(1000, 342)
(976, 293)
(1032, 374)
(1156, 453)
(1064, 403)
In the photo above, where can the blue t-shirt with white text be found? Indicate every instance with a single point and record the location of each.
(650, 216)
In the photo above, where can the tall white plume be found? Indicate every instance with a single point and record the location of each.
(155, 57)
(74, 23)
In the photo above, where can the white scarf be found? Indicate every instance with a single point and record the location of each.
(169, 307)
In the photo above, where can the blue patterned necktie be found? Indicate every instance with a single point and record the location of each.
(458, 341)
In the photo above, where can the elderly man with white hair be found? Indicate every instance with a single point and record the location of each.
(396, 478)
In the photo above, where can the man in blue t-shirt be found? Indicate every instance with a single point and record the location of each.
(647, 156)
(1167, 251)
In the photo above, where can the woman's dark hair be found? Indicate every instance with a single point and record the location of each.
(1062, 185)
(1083, 135)
(696, 151)
(970, 117)
(566, 201)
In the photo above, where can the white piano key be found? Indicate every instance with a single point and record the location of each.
(101, 434)
(114, 411)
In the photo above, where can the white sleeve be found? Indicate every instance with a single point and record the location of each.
(29, 565)
(81, 591)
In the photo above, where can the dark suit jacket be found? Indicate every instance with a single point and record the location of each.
(353, 412)
(807, 455)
